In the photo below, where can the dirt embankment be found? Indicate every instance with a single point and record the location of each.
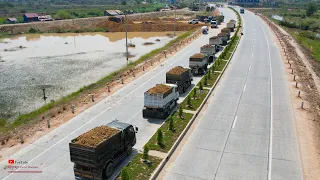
(303, 73)
(97, 22)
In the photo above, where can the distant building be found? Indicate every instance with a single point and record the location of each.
(45, 18)
(113, 12)
(246, 2)
(29, 17)
(11, 21)
(119, 12)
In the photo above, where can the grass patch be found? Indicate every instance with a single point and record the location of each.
(169, 137)
(137, 169)
(3, 123)
(221, 65)
(195, 102)
(312, 45)
(26, 118)
(210, 82)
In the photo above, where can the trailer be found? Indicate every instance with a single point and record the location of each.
(160, 100)
(216, 42)
(96, 152)
(231, 25)
(226, 31)
(209, 51)
(198, 63)
(181, 76)
(224, 37)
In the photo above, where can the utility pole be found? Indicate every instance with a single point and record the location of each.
(126, 27)
(175, 18)
(44, 96)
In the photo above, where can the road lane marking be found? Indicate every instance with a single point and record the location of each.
(234, 122)
(252, 55)
(97, 115)
(244, 89)
(271, 111)
(250, 68)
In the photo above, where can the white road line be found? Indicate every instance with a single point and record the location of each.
(250, 68)
(244, 89)
(234, 122)
(94, 117)
(252, 55)
(271, 111)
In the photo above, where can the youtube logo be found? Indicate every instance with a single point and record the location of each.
(11, 161)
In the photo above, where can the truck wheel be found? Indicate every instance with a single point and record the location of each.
(108, 171)
(129, 150)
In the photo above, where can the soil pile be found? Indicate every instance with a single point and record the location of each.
(146, 26)
(160, 89)
(197, 56)
(177, 70)
(96, 135)
(206, 46)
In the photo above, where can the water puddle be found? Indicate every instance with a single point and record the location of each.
(63, 63)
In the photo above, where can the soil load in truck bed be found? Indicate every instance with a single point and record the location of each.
(160, 89)
(177, 70)
(198, 56)
(95, 136)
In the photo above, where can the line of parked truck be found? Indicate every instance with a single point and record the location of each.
(96, 152)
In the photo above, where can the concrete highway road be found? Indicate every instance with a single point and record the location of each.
(50, 154)
(248, 130)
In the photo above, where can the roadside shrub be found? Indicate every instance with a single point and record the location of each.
(180, 111)
(32, 30)
(125, 174)
(171, 123)
(159, 137)
(145, 154)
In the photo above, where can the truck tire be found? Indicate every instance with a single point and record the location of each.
(129, 150)
(108, 171)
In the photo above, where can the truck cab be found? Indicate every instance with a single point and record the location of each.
(214, 24)
(99, 162)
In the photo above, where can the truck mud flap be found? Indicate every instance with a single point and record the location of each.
(151, 114)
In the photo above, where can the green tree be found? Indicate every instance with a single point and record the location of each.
(171, 123)
(311, 9)
(206, 80)
(125, 174)
(189, 101)
(194, 93)
(145, 154)
(159, 137)
(63, 15)
(124, 3)
(180, 111)
(200, 86)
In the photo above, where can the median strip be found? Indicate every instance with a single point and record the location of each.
(174, 128)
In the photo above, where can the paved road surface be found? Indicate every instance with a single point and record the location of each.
(248, 131)
(51, 152)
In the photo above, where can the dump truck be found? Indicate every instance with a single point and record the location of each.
(216, 42)
(198, 64)
(226, 31)
(96, 152)
(231, 25)
(180, 76)
(160, 100)
(209, 51)
(224, 37)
